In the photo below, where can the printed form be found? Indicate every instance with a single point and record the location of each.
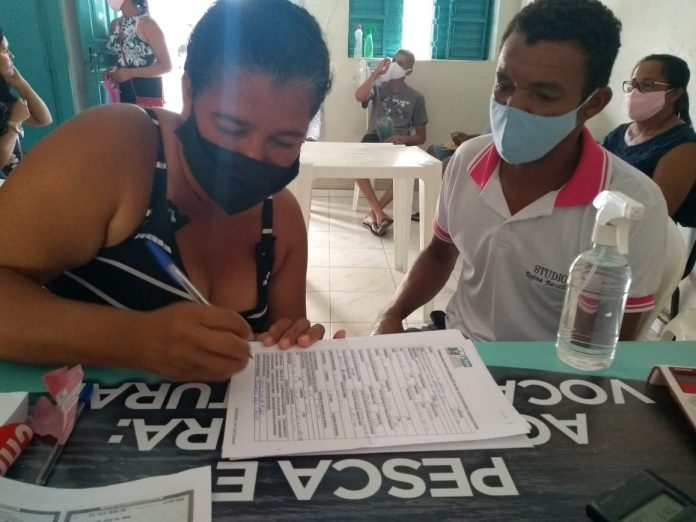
(368, 394)
(181, 497)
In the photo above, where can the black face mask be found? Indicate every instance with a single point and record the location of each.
(233, 181)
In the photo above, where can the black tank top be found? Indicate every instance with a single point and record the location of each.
(128, 276)
(645, 157)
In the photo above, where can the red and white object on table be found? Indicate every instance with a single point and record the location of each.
(15, 435)
(681, 381)
(57, 420)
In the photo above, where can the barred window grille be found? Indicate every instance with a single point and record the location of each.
(462, 29)
(382, 19)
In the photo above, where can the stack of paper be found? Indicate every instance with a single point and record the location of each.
(181, 497)
(418, 391)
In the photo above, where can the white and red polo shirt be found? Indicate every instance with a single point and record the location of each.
(515, 268)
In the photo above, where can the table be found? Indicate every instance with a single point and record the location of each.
(633, 360)
(322, 159)
(590, 432)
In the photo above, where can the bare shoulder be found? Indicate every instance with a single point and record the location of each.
(288, 223)
(683, 156)
(111, 137)
(83, 187)
(100, 162)
(287, 209)
(686, 150)
(146, 24)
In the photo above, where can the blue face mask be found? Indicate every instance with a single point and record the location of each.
(522, 137)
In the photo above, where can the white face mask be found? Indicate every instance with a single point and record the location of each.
(116, 4)
(395, 72)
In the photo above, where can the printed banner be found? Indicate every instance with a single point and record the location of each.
(589, 434)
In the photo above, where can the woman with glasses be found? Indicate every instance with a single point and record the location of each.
(660, 140)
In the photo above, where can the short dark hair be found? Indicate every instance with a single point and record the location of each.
(677, 74)
(589, 24)
(409, 55)
(274, 37)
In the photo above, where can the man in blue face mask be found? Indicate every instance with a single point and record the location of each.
(516, 205)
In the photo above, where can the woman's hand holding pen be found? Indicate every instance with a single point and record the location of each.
(192, 342)
(288, 333)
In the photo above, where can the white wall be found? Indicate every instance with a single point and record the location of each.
(456, 93)
(649, 26)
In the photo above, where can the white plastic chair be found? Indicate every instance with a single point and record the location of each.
(687, 293)
(681, 328)
(684, 296)
(675, 260)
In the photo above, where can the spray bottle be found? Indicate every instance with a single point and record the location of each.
(598, 287)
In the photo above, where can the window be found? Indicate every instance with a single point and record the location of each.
(462, 29)
(381, 18)
(440, 30)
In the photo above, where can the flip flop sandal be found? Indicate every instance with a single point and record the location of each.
(379, 229)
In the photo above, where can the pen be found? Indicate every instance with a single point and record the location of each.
(177, 275)
(50, 463)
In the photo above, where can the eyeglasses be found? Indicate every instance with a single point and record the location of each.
(645, 86)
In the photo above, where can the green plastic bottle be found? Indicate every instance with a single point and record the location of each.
(369, 47)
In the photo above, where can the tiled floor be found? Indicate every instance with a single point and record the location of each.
(350, 277)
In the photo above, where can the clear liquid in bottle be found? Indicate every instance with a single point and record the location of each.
(593, 309)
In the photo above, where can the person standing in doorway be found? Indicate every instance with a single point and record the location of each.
(141, 54)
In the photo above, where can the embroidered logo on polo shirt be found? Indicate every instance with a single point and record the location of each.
(546, 277)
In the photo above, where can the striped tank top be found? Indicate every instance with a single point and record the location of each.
(127, 276)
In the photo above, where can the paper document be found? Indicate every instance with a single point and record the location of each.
(181, 497)
(367, 393)
(14, 407)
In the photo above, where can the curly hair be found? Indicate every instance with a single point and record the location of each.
(274, 37)
(677, 74)
(589, 24)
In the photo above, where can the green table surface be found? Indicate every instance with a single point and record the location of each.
(633, 361)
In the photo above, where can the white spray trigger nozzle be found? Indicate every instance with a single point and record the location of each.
(612, 222)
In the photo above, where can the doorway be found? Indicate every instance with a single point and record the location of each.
(176, 24)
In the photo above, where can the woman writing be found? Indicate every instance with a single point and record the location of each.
(207, 185)
(141, 54)
(15, 112)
